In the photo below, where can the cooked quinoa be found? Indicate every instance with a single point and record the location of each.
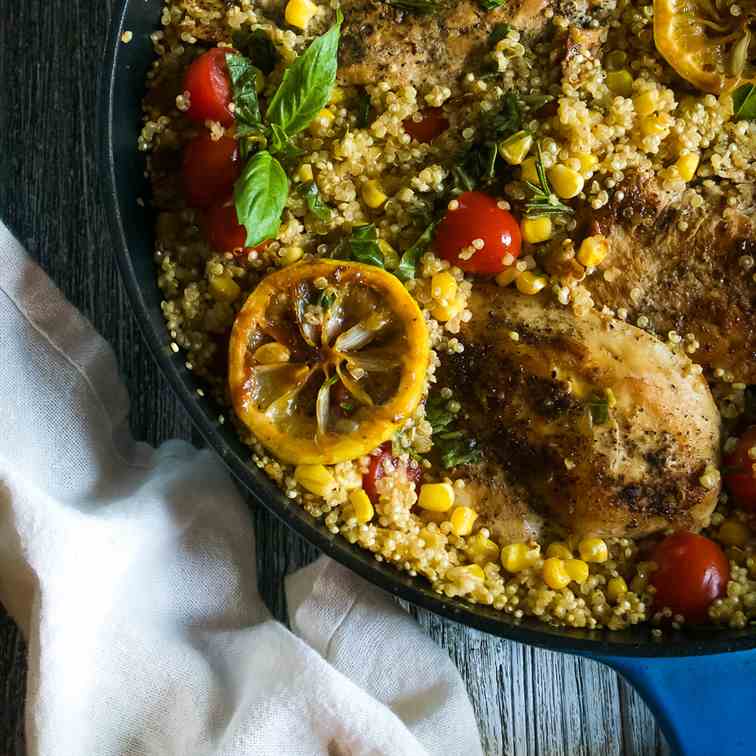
(608, 110)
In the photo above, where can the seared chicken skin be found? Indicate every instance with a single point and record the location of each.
(537, 403)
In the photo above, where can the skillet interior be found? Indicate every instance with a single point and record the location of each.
(123, 181)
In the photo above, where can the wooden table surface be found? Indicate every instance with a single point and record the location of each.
(528, 701)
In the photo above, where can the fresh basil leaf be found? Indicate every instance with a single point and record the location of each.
(307, 83)
(314, 202)
(411, 257)
(490, 5)
(420, 7)
(364, 108)
(260, 195)
(498, 33)
(243, 85)
(744, 102)
(599, 409)
(281, 143)
(258, 47)
(364, 247)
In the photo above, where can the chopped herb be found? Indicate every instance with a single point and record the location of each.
(490, 5)
(498, 33)
(543, 201)
(348, 407)
(364, 246)
(411, 257)
(326, 299)
(258, 47)
(599, 409)
(437, 413)
(536, 101)
(744, 102)
(506, 120)
(421, 7)
(454, 447)
(314, 202)
(364, 108)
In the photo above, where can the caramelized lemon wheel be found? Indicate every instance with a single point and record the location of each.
(327, 359)
(705, 43)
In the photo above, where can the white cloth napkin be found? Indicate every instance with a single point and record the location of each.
(131, 572)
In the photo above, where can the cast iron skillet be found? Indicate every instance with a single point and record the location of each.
(702, 692)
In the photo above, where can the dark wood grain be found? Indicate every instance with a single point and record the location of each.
(528, 701)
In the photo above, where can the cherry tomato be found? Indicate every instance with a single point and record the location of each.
(210, 169)
(739, 475)
(376, 471)
(477, 218)
(223, 231)
(209, 87)
(693, 571)
(434, 124)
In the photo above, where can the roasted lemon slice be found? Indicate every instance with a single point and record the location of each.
(327, 359)
(705, 43)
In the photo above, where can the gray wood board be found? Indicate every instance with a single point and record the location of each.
(528, 701)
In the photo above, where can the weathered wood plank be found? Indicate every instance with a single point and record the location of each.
(527, 701)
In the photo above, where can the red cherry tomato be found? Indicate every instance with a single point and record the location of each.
(693, 571)
(209, 88)
(210, 169)
(223, 231)
(433, 124)
(376, 471)
(739, 475)
(477, 218)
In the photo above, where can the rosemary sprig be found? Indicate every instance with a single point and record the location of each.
(543, 201)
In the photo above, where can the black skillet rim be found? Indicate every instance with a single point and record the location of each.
(635, 642)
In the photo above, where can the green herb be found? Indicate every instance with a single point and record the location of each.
(260, 195)
(307, 83)
(348, 407)
(498, 33)
(314, 202)
(364, 247)
(506, 120)
(490, 5)
(543, 201)
(744, 102)
(411, 257)
(437, 413)
(453, 446)
(246, 106)
(326, 299)
(420, 7)
(599, 409)
(258, 47)
(536, 101)
(364, 108)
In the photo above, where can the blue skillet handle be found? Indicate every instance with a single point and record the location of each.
(705, 705)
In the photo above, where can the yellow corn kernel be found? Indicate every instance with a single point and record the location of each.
(516, 148)
(433, 539)
(482, 549)
(577, 569)
(462, 520)
(465, 572)
(337, 96)
(517, 557)
(316, 479)
(559, 550)
(443, 286)
(304, 173)
(615, 60)
(290, 255)
(437, 497)
(646, 103)
(528, 170)
(390, 256)
(565, 182)
(620, 83)
(734, 533)
(443, 313)
(361, 506)
(321, 122)
(272, 353)
(587, 162)
(554, 574)
(593, 550)
(507, 276)
(536, 230)
(616, 588)
(299, 13)
(372, 194)
(530, 283)
(654, 125)
(593, 250)
(224, 288)
(687, 165)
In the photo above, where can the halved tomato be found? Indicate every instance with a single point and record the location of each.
(705, 43)
(314, 330)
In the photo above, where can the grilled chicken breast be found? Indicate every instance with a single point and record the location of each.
(535, 402)
(692, 281)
